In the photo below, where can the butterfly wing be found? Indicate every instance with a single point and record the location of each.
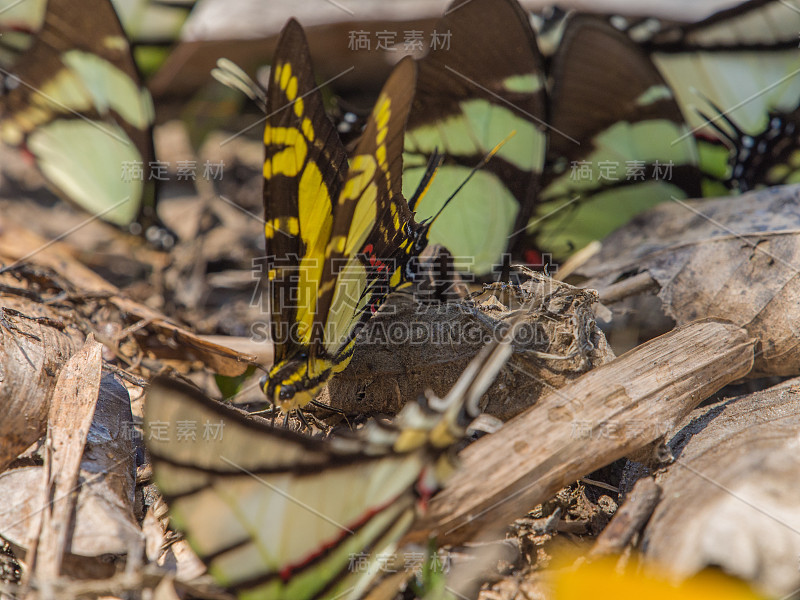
(744, 60)
(76, 103)
(304, 171)
(471, 96)
(634, 148)
(736, 75)
(372, 220)
(153, 27)
(272, 513)
(19, 24)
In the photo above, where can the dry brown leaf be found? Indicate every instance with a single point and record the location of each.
(103, 524)
(157, 334)
(34, 344)
(728, 258)
(153, 533)
(184, 561)
(174, 557)
(69, 419)
(605, 414)
(730, 499)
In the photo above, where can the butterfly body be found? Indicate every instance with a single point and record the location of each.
(770, 158)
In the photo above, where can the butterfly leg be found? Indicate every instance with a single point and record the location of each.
(330, 409)
(303, 420)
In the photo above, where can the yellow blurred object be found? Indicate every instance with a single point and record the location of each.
(601, 579)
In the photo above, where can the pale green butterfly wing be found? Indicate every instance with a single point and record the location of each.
(76, 103)
(77, 176)
(736, 76)
(635, 149)
(743, 59)
(470, 96)
(19, 21)
(272, 513)
(277, 515)
(153, 27)
(153, 21)
(746, 86)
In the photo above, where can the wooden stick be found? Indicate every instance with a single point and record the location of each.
(606, 414)
(71, 413)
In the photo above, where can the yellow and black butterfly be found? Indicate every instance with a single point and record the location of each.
(73, 101)
(339, 233)
(582, 96)
(277, 515)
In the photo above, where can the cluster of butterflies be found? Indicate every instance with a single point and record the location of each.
(570, 88)
(609, 116)
(582, 94)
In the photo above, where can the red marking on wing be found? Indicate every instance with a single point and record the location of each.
(27, 155)
(374, 261)
(533, 257)
(20, 27)
(708, 137)
(380, 268)
(289, 570)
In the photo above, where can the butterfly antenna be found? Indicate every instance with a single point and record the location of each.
(728, 139)
(434, 162)
(474, 170)
(737, 135)
(230, 74)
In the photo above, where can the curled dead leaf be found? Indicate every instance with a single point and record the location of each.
(732, 258)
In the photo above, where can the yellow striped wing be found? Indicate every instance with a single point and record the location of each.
(335, 232)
